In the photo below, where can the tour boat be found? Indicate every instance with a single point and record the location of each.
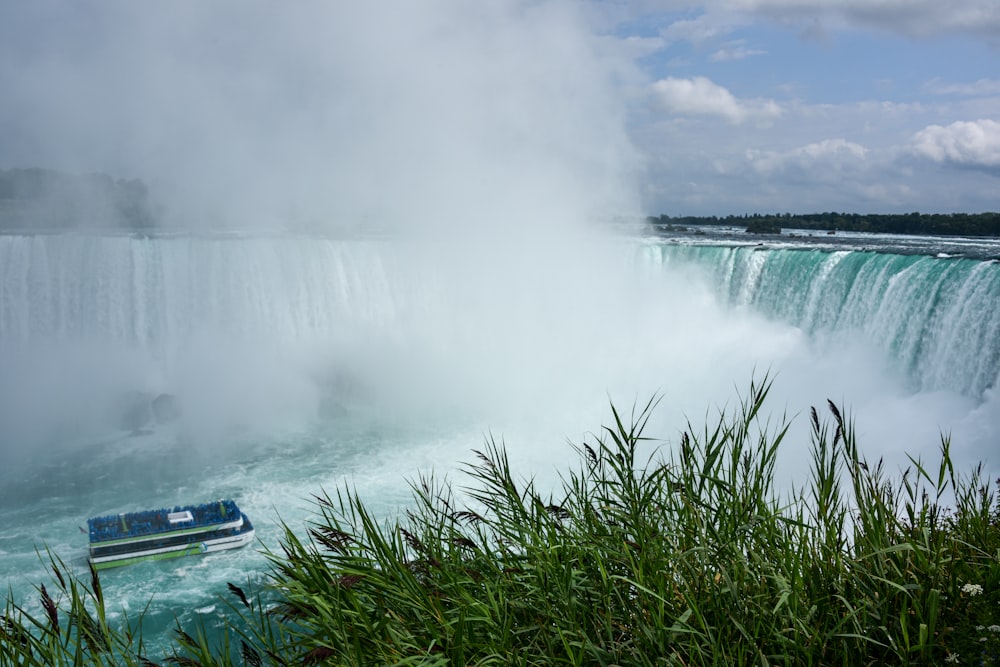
(132, 537)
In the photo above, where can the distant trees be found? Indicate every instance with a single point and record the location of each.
(955, 224)
(763, 224)
(37, 198)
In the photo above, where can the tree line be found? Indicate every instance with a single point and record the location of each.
(36, 198)
(954, 224)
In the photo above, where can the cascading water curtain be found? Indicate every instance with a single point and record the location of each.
(937, 318)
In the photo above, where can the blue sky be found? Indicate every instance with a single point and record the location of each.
(445, 110)
(800, 106)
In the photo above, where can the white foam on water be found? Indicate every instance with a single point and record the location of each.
(325, 364)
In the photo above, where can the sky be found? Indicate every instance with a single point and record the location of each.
(431, 114)
(817, 105)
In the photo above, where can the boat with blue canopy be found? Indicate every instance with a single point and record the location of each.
(132, 537)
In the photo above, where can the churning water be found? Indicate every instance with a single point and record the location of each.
(299, 364)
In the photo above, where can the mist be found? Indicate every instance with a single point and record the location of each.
(378, 234)
(444, 117)
(478, 145)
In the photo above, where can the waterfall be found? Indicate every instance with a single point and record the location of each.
(153, 293)
(936, 318)
(283, 354)
(256, 325)
(92, 326)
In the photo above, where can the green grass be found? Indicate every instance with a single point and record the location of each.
(689, 555)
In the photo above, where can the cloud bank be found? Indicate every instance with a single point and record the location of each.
(910, 17)
(830, 158)
(974, 144)
(914, 18)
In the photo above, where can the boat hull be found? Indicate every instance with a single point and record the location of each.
(166, 553)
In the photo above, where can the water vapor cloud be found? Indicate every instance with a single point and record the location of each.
(259, 113)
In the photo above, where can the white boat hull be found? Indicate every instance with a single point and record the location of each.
(176, 551)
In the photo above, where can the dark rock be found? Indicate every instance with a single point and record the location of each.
(165, 408)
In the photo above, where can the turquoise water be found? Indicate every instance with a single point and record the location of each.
(271, 476)
(299, 364)
(937, 318)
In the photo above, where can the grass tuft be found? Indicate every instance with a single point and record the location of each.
(642, 555)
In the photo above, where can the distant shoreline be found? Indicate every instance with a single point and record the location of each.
(36, 199)
(936, 224)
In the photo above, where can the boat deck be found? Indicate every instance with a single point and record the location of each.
(131, 525)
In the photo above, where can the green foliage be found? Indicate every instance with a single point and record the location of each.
(763, 226)
(644, 555)
(33, 199)
(74, 629)
(955, 224)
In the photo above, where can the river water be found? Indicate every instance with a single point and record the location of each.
(298, 364)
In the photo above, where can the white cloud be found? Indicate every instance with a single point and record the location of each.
(911, 17)
(908, 17)
(844, 143)
(822, 157)
(702, 97)
(975, 89)
(966, 143)
(697, 30)
(736, 50)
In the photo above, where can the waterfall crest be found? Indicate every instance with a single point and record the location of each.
(936, 318)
